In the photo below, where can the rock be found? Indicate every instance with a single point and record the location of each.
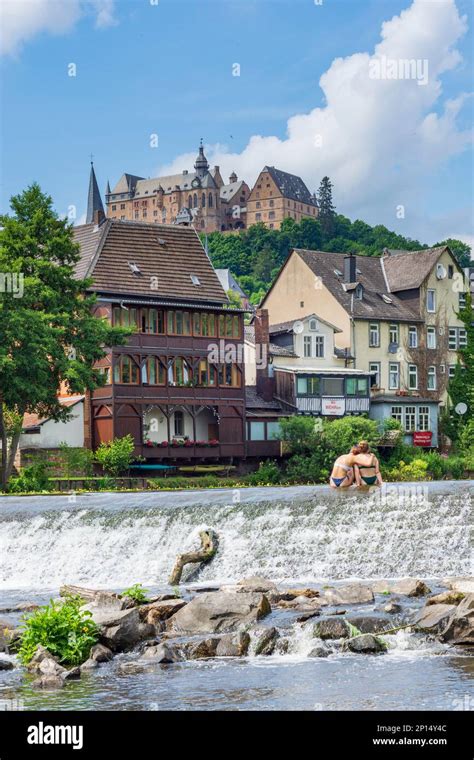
(202, 650)
(161, 610)
(364, 644)
(6, 664)
(219, 611)
(433, 619)
(73, 674)
(301, 604)
(447, 597)
(463, 584)
(48, 682)
(353, 593)
(370, 623)
(22, 607)
(99, 653)
(320, 651)
(282, 646)
(293, 593)
(266, 639)
(104, 600)
(153, 618)
(163, 653)
(392, 607)
(256, 584)
(6, 635)
(130, 669)
(90, 664)
(43, 655)
(331, 628)
(121, 629)
(404, 587)
(308, 615)
(460, 626)
(233, 645)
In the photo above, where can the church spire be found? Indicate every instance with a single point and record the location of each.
(95, 209)
(201, 165)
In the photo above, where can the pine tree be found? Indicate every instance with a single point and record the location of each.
(327, 211)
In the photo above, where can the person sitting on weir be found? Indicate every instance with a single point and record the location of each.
(369, 464)
(342, 475)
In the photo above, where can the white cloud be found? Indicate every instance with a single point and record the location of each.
(381, 139)
(21, 20)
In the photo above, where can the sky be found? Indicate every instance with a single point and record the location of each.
(313, 87)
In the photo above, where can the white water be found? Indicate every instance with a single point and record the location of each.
(298, 534)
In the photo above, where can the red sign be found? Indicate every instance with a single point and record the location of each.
(422, 438)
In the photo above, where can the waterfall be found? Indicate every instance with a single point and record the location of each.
(298, 534)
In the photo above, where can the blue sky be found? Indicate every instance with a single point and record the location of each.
(167, 69)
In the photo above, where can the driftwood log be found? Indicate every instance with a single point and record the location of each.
(209, 544)
(87, 594)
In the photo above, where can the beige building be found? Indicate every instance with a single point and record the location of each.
(200, 198)
(277, 195)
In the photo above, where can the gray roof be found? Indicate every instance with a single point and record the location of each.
(254, 401)
(290, 185)
(94, 201)
(286, 327)
(371, 277)
(407, 270)
(228, 191)
(403, 400)
(229, 282)
(249, 336)
(126, 184)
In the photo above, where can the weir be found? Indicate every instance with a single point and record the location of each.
(297, 534)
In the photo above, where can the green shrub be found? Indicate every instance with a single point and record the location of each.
(300, 433)
(456, 466)
(307, 469)
(466, 436)
(136, 593)
(437, 465)
(408, 471)
(63, 627)
(32, 478)
(339, 435)
(76, 461)
(116, 456)
(267, 473)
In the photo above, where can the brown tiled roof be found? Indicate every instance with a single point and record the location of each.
(34, 420)
(370, 275)
(169, 253)
(406, 270)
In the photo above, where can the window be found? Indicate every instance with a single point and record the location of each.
(308, 386)
(125, 317)
(412, 336)
(375, 367)
(258, 217)
(431, 337)
(195, 279)
(313, 325)
(319, 346)
(203, 200)
(152, 321)
(396, 413)
(451, 370)
(258, 204)
(122, 206)
(229, 375)
(210, 200)
(394, 376)
(179, 323)
(450, 271)
(462, 338)
(179, 372)
(126, 371)
(207, 375)
(195, 200)
(105, 372)
(452, 339)
(462, 300)
(374, 334)
(257, 431)
(307, 343)
(153, 372)
(431, 301)
(229, 326)
(423, 418)
(356, 386)
(114, 208)
(412, 377)
(204, 325)
(431, 385)
(393, 333)
(332, 386)
(273, 431)
(272, 203)
(271, 215)
(179, 423)
(410, 418)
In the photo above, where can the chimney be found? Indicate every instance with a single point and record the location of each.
(350, 268)
(265, 383)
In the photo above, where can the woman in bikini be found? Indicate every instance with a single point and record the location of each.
(367, 462)
(342, 475)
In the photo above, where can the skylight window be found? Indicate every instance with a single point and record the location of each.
(161, 241)
(338, 273)
(386, 298)
(195, 280)
(134, 267)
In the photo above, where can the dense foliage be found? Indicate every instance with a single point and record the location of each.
(136, 593)
(63, 627)
(116, 456)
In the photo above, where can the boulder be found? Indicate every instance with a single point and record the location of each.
(90, 664)
(352, 593)
(161, 610)
(370, 623)
(265, 640)
(6, 664)
(404, 587)
(464, 584)
(300, 604)
(48, 682)
(73, 674)
(460, 626)
(130, 669)
(233, 645)
(282, 646)
(434, 618)
(6, 635)
(219, 611)
(21, 607)
(446, 597)
(201, 650)
(43, 655)
(331, 628)
(256, 584)
(392, 607)
(364, 644)
(99, 653)
(309, 615)
(293, 593)
(163, 653)
(121, 629)
(320, 651)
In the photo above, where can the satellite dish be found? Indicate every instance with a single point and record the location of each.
(298, 327)
(441, 272)
(460, 408)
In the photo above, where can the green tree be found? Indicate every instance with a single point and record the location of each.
(116, 456)
(461, 386)
(48, 334)
(327, 211)
(461, 251)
